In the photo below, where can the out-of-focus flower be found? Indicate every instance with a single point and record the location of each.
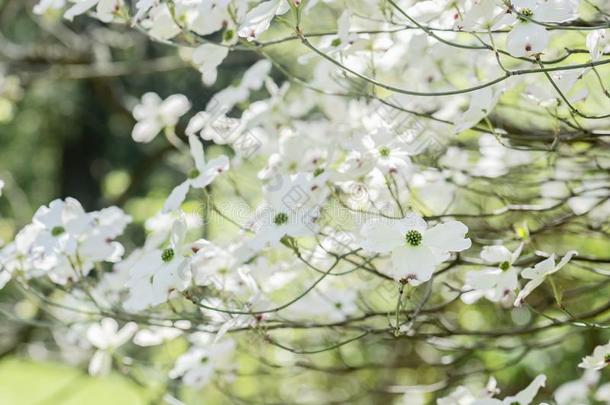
(259, 18)
(64, 242)
(106, 10)
(599, 359)
(539, 272)
(291, 208)
(154, 114)
(494, 283)
(528, 37)
(463, 396)
(197, 366)
(597, 43)
(156, 273)
(201, 176)
(107, 337)
(207, 58)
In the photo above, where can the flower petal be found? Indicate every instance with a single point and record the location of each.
(381, 236)
(496, 254)
(415, 264)
(448, 237)
(527, 38)
(176, 197)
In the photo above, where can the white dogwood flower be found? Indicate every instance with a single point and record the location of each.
(539, 272)
(45, 6)
(493, 283)
(202, 175)
(154, 114)
(292, 205)
(415, 248)
(597, 42)
(599, 359)
(64, 242)
(156, 273)
(259, 18)
(528, 37)
(388, 152)
(207, 57)
(463, 396)
(106, 10)
(107, 337)
(197, 366)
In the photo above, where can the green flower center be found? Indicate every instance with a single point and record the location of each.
(318, 172)
(384, 151)
(58, 230)
(193, 174)
(505, 266)
(167, 255)
(413, 238)
(280, 219)
(525, 13)
(228, 35)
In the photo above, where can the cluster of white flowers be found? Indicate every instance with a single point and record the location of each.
(65, 243)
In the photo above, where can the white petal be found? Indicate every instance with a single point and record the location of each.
(381, 236)
(197, 153)
(259, 18)
(531, 4)
(99, 334)
(411, 222)
(149, 104)
(197, 123)
(565, 259)
(176, 197)
(496, 254)
(178, 234)
(556, 11)
(79, 8)
(526, 396)
(125, 333)
(100, 363)
(174, 107)
(540, 269)
(448, 237)
(5, 277)
(526, 39)
(145, 131)
(208, 57)
(482, 280)
(527, 290)
(105, 10)
(214, 168)
(416, 264)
